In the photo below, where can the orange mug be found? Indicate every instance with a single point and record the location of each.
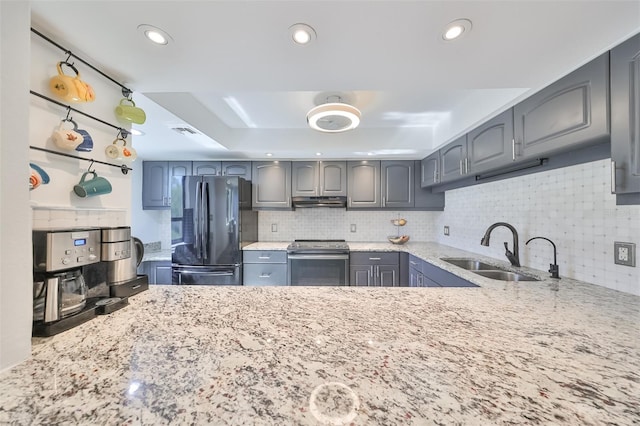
(116, 152)
(71, 88)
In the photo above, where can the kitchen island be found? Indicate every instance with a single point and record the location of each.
(547, 352)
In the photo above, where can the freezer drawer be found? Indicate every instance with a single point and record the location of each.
(206, 275)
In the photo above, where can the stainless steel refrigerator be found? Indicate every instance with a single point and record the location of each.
(211, 221)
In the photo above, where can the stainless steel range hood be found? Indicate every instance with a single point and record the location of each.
(312, 202)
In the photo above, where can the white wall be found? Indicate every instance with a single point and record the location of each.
(15, 214)
(572, 206)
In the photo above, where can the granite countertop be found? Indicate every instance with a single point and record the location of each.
(546, 352)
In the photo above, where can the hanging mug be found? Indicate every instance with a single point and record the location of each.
(116, 152)
(130, 113)
(92, 187)
(71, 88)
(66, 139)
(87, 140)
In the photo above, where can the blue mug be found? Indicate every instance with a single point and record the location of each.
(87, 142)
(92, 187)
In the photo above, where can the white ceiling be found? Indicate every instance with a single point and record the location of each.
(416, 91)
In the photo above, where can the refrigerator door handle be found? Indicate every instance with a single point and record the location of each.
(205, 220)
(196, 217)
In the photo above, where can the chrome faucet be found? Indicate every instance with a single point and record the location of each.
(514, 258)
(553, 267)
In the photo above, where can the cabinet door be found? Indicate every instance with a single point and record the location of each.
(388, 275)
(155, 193)
(571, 112)
(430, 170)
(452, 160)
(424, 198)
(163, 273)
(304, 179)
(625, 116)
(237, 168)
(271, 184)
(491, 145)
(413, 277)
(363, 184)
(397, 183)
(361, 275)
(333, 178)
(177, 169)
(210, 168)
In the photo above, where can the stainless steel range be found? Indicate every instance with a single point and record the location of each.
(318, 262)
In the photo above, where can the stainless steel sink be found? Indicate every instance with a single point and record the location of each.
(487, 270)
(470, 264)
(505, 276)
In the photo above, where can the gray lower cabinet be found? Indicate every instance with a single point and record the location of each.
(379, 269)
(156, 182)
(271, 184)
(267, 267)
(570, 112)
(625, 117)
(158, 271)
(318, 178)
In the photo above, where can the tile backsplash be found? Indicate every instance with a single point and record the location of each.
(572, 206)
(331, 223)
(62, 217)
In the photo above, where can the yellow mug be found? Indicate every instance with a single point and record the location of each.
(71, 88)
(130, 113)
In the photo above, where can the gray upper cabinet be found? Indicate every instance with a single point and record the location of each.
(237, 168)
(423, 198)
(572, 111)
(271, 184)
(625, 116)
(363, 184)
(210, 168)
(453, 159)
(397, 183)
(156, 182)
(491, 145)
(430, 170)
(319, 178)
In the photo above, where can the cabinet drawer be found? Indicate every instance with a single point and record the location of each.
(375, 258)
(265, 256)
(256, 274)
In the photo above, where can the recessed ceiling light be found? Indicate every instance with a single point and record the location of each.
(302, 34)
(318, 154)
(456, 29)
(136, 132)
(155, 34)
(333, 117)
(269, 154)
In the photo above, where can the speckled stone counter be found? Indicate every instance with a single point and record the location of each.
(548, 352)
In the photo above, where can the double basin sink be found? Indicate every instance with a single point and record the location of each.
(489, 271)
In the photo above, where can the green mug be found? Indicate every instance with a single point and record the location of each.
(130, 113)
(92, 187)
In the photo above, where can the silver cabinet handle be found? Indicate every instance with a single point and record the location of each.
(513, 149)
(264, 275)
(613, 177)
(384, 201)
(435, 175)
(412, 262)
(461, 172)
(374, 258)
(466, 165)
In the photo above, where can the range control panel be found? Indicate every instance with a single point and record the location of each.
(56, 250)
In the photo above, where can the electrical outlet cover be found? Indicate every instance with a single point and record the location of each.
(624, 253)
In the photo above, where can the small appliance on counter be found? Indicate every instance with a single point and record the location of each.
(59, 287)
(122, 255)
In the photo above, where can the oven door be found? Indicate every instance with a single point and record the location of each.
(318, 269)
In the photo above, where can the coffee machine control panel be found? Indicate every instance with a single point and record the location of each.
(63, 249)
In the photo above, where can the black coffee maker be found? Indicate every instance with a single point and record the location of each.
(59, 287)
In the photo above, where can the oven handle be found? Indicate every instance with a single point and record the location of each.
(318, 256)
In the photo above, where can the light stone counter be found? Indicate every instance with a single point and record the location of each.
(549, 352)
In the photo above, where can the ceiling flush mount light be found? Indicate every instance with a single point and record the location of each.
(155, 34)
(333, 117)
(302, 34)
(456, 29)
